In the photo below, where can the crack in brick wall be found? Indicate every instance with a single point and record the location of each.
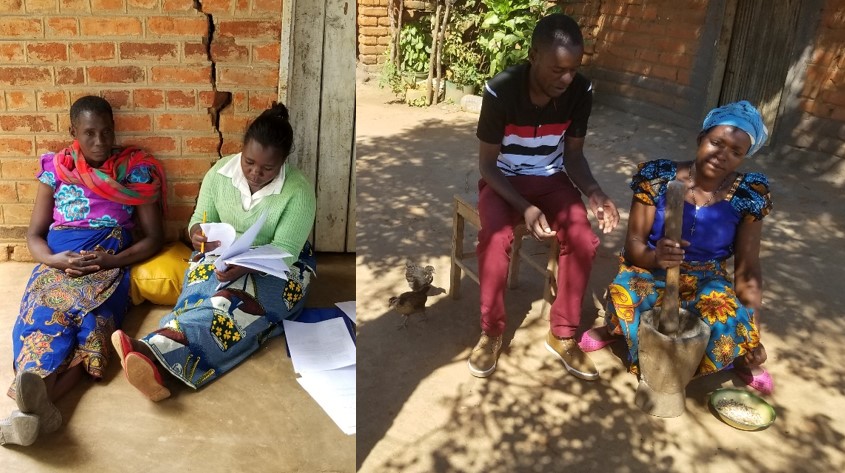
(222, 99)
(184, 99)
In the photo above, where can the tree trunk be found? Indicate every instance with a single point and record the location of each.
(398, 34)
(391, 17)
(434, 33)
(441, 34)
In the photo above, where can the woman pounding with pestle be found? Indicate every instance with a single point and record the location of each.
(722, 217)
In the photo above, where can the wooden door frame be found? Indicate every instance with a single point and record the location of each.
(719, 30)
(720, 56)
(789, 112)
(327, 150)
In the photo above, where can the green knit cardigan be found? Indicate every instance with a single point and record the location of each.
(290, 214)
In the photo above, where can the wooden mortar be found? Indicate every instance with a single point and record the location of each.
(671, 340)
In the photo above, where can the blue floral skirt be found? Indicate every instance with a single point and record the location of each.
(211, 330)
(66, 321)
(704, 291)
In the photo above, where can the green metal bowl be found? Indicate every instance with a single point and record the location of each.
(742, 409)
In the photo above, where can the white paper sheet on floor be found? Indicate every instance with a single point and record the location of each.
(324, 355)
(334, 391)
(348, 309)
(319, 346)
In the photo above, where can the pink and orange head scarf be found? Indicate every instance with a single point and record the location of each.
(105, 181)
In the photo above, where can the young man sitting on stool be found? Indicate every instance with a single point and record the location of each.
(533, 122)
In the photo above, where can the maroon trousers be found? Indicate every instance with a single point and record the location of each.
(561, 203)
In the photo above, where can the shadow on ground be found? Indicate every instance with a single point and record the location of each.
(420, 410)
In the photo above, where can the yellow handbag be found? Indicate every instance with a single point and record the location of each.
(159, 279)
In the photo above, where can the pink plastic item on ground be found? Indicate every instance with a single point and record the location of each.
(762, 381)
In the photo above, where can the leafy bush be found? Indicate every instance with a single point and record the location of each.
(390, 76)
(505, 30)
(461, 52)
(415, 45)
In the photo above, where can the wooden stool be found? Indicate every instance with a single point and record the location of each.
(466, 211)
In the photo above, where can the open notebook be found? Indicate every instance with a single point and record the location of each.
(239, 251)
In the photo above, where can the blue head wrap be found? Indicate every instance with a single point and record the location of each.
(741, 115)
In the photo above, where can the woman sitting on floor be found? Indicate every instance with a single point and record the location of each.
(89, 198)
(222, 317)
(723, 216)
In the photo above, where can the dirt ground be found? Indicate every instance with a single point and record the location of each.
(420, 409)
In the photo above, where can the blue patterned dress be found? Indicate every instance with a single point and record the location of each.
(211, 330)
(705, 289)
(66, 321)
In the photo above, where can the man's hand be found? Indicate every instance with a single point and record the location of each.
(537, 224)
(605, 211)
(232, 273)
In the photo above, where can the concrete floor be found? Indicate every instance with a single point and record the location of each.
(255, 419)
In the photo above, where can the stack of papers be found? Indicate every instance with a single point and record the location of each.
(324, 356)
(238, 251)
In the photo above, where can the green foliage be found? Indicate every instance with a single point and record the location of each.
(505, 30)
(483, 38)
(415, 45)
(390, 76)
(418, 102)
(461, 52)
(464, 73)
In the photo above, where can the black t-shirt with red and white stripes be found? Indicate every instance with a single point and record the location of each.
(531, 136)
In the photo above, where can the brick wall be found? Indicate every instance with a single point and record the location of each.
(644, 57)
(642, 52)
(635, 49)
(648, 57)
(821, 101)
(373, 32)
(152, 60)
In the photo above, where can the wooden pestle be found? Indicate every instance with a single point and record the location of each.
(669, 312)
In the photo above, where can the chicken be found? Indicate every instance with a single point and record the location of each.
(407, 304)
(418, 278)
(413, 301)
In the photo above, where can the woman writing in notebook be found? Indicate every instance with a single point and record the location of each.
(223, 316)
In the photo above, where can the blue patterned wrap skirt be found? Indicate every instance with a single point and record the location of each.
(704, 290)
(211, 330)
(66, 321)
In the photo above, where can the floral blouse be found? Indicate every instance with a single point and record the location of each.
(78, 206)
(715, 225)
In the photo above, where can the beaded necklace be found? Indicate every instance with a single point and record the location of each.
(695, 201)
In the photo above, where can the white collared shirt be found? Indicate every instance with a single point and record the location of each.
(235, 172)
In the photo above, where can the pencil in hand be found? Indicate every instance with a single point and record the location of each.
(202, 245)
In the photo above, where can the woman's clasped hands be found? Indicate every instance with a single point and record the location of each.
(83, 263)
